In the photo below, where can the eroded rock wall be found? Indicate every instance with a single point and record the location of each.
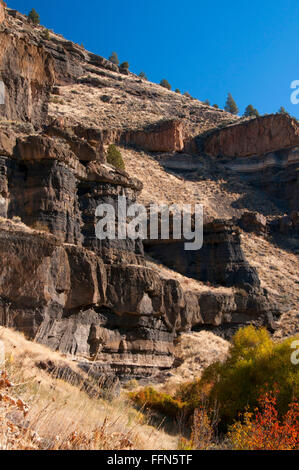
(256, 136)
(28, 76)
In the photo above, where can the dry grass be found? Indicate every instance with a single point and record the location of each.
(277, 269)
(162, 187)
(61, 415)
(195, 352)
(130, 103)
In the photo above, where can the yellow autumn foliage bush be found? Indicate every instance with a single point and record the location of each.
(255, 365)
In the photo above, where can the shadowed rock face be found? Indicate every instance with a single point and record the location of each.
(59, 284)
(275, 173)
(221, 260)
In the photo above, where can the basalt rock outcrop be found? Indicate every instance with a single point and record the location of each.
(167, 136)
(220, 261)
(275, 173)
(28, 76)
(263, 152)
(253, 222)
(256, 136)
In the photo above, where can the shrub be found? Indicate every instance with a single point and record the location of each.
(47, 34)
(125, 66)
(114, 158)
(215, 106)
(143, 75)
(33, 17)
(230, 105)
(114, 58)
(177, 91)
(202, 430)
(165, 84)
(282, 110)
(256, 364)
(264, 430)
(56, 100)
(207, 102)
(149, 398)
(131, 384)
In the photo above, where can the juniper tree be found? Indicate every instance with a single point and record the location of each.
(33, 17)
(114, 58)
(251, 111)
(230, 105)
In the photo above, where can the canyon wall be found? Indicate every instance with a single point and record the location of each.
(98, 299)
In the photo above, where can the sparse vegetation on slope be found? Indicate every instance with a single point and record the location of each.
(41, 412)
(256, 365)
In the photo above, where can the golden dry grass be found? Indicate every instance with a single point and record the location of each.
(61, 415)
(277, 269)
(195, 351)
(162, 187)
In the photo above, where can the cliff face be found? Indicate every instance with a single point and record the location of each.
(101, 300)
(256, 136)
(28, 75)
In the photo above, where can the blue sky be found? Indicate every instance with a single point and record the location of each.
(208, 48)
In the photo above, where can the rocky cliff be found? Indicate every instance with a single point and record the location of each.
(102, 301)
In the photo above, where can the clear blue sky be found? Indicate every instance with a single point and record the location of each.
(208, 48)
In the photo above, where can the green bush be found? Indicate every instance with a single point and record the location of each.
(114, 157)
